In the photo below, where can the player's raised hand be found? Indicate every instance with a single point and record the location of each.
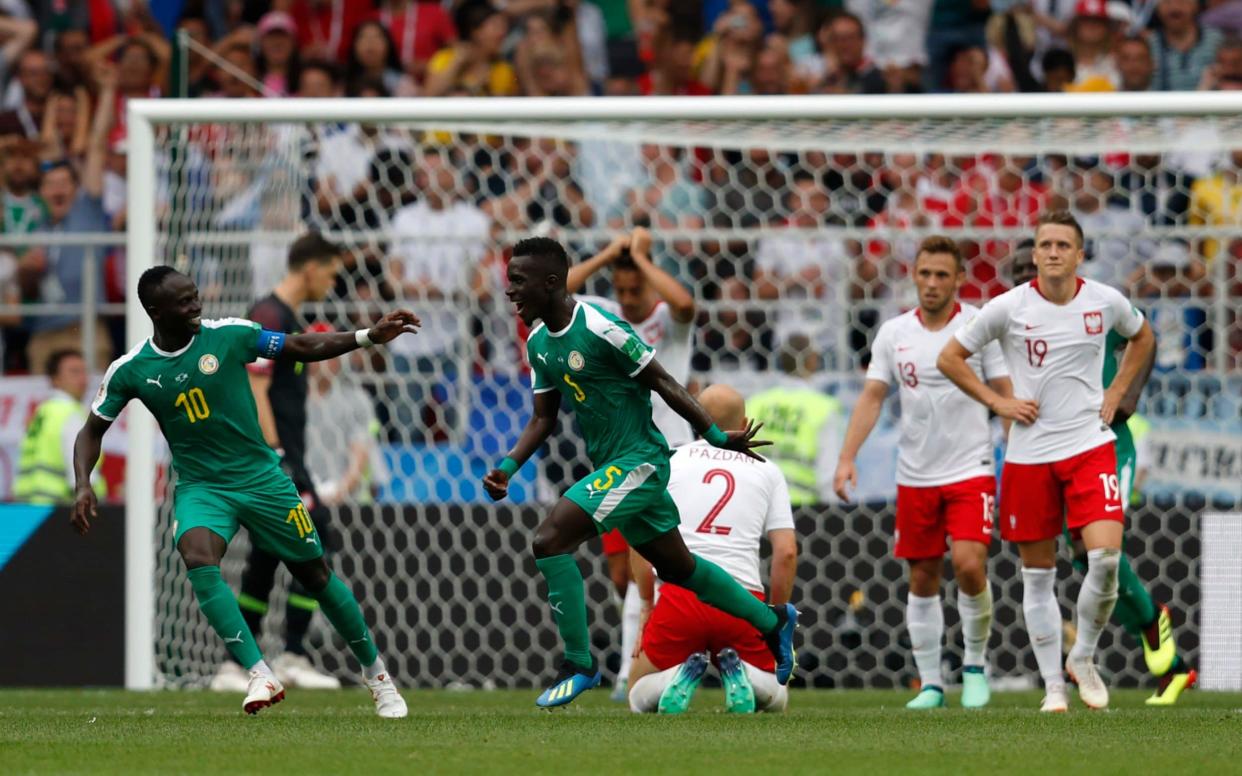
(496, 483)
(84, 508)
(846, 474)
(744, 441)
(393, 325)
(1024, 411)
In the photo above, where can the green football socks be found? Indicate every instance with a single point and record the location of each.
(715, 587)
(338, 604)
(567, 597)
(218, 605)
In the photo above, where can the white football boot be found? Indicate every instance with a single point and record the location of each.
(388, 701)
(1055, 701)
(264, 690)
(296, 670)
(230, 677)
(1091, 687)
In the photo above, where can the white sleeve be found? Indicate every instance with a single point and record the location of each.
(881, 366)
(988, 325)
(780, 511)
(1127, 320)
(994, 365)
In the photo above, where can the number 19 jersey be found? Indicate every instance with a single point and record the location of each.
(1056, 357)
(592, 362)
(200, 396)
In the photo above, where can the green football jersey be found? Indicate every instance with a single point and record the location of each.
(1113, 343)
(592, 362)
(200, 395)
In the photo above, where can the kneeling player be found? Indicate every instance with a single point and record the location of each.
(728, 501)
(945, 481)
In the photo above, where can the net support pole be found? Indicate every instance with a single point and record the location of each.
(140, 457)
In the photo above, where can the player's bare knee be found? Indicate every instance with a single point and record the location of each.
(314, 575)
(199, 547)
(925, 576)
(546, 542)
(971, 574)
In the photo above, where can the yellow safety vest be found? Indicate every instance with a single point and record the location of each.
(793, 419)
(41, 468)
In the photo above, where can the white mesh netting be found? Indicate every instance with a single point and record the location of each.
(795, 238)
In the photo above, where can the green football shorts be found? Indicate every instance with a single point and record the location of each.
(631, 495)
(271, 510)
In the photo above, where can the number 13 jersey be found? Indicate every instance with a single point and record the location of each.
(200, 395)
(1056, 356)
(945, 436)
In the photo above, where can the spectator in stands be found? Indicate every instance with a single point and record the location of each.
(1158, 192)
(276, 61)
(731, 50)
(317, 78)
(326, 27)
(73, 205)
(1134, 64)
(954, 23)
(896, 38)
(474, 64)
(70, 53)
(1225, 72)
(1213, 200)
(549, 58)
(666, 193)
(419, 28)
(199, 68)
(1113, 247)
(1091, 43)
(673, 73)
(794, 20)
(342, 432)
(19, 167)
(66, 124)
(16, 35)
(1050, 22)
(971, 71)
(26, 98)
(847, 69)
(235, 76)
(1059, 71)
(1181, 49)
(1169, 270)
(373, 57)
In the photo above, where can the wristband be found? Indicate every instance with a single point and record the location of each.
(508, 466)
(363, 338)
(715, 437)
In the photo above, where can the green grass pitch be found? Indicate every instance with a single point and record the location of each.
(67, 731)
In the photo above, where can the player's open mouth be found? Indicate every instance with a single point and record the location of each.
(196, 320)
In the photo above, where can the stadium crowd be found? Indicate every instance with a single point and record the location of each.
(67, 70)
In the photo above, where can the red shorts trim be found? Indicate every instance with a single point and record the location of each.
(926, 517)
(1037, 499)
(681, 624)
(614, 543)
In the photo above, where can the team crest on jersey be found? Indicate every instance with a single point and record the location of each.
(1094, 322)
(208, 364)
(576, 361)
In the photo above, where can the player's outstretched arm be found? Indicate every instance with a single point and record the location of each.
(952, 364)
(862, 421)
(579, 273)
(321, 346)
(1139, 355)
(674, 294)
(655, 378)
(1129, 402)
(1004, 387)
(85, 455)
(540, 426)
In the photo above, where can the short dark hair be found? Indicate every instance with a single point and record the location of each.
(938, 243)
(1139, 39)
(322, 65)
(1062, 218)
(470, 16)
(1059, 59)
(625, 262)
(59, 164)
(312, 246)
(544, 249)
(150, 280)
(54, 360)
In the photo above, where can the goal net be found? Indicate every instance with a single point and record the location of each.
(794, 223)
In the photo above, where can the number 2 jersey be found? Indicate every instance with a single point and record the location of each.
(593, 362)
(945, 435)
(200, 396)
(1056, 357)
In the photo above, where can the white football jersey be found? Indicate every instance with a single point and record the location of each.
(1056, 357)
(728, 502)
(945, 436)
(673, 343)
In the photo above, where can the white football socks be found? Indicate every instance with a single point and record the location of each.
(373, 671)
(1043, 623)
(976, 614)
(1096, 599)
(631, 613)
(925, 622)
(645, 693)
(262, 667)
(770, 695)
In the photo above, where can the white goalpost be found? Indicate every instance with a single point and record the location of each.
(221, 186)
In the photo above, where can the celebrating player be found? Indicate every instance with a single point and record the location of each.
(1060, 467)
(661, 312)
(1149, 623)
(945, 481)
(192, 376)
(607, 373)
(728, 501)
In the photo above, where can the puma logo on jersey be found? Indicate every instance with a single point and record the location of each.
(235, 640)
(156, 381)
(543, 358)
